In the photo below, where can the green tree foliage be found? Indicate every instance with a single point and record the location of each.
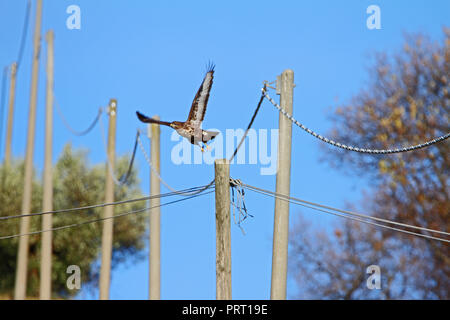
(406, 102)
(76, 184)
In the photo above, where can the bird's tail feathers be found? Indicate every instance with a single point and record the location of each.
(210, 135)
(146, 119)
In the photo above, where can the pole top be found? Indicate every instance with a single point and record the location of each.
(112, 108)
(286, 74)
(50, 35)
(221, 162)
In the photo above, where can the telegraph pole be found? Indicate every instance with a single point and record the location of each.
(281, 220)
(223, 230)
(11, 101)
(22, 256)
(47, 205)
(107, 235)
(155, 214)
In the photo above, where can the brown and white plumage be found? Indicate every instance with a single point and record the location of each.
(192, 127)
(200, 103)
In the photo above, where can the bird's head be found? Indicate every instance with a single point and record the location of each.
(176, 125)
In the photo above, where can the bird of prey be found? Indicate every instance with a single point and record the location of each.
(191, 129)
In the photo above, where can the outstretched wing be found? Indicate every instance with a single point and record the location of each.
(146, 119)
(198, 108)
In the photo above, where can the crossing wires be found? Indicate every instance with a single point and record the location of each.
(101, 205)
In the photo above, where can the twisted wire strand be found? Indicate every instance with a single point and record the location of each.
(352, 148)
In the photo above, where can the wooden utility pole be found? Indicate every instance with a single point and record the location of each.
(11, 101)
(107, 236)
(22, 256)
(45, 289)
(223, 231)
(155, 215)
(281, 220)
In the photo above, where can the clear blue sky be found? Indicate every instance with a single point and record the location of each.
(151, 56)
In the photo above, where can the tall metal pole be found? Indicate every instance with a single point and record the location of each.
(281, 220)
(155, 215)
(11, 101)
(47, 205)
(223, 230)
(22, 256)
(107, 235)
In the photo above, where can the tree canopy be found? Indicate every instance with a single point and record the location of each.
(406, 102)
(76, 184)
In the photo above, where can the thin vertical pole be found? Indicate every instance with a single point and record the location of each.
(47, 205)
(281, 220)
(223, 232)
(107, 235)
(155, 215)
(11, 101)
(22, 256)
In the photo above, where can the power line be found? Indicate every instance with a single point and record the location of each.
(73, 225)
(101, 205)
(294, 201)
(19, 60)
(351, 148)
(349, 214)
(67, 125)
(124, 178)
(264, 88)
(24, 33)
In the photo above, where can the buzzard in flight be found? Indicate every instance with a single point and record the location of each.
(191, 129)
